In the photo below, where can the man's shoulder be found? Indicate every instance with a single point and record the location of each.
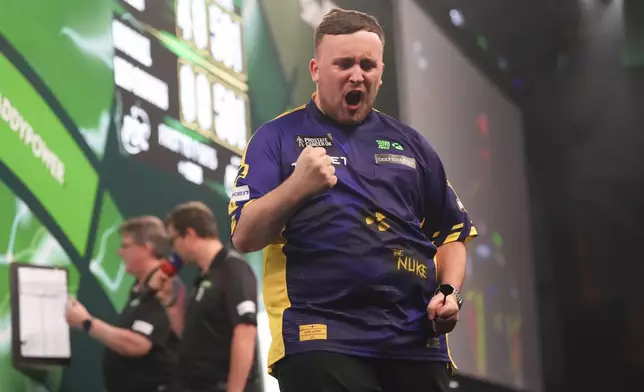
(283, 122)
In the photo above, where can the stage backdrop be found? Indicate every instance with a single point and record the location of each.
(116, 108)
(478, 133)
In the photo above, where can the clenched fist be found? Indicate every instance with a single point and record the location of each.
(314, 171)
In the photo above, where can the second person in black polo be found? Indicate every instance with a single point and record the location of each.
(217, 352)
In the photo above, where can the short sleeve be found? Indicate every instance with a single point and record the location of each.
(151, 320)
(259, 172)
(446, 219)
(240, 292)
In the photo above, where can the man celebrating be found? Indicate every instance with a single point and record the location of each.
(141, 347)
(363, 234)
(219, 331)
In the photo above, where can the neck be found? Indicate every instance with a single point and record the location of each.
(150, 265)
(208, 250)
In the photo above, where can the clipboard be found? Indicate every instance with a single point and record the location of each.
(40, 335)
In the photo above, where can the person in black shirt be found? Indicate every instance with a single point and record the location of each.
(217, 351)
(141, 349)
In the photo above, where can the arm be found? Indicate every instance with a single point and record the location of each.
(264, 218)
(241, 303)
(451, 260)
(176, 311)
(258, 192)
(261, 203)
(242, 355)
(172, 295)
(123, 341)
(146, 330)
(447, 224)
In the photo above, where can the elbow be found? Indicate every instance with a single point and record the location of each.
(242, 243)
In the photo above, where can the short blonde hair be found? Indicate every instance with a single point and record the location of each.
(339, 22)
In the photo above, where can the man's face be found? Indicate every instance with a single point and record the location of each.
(133, 255)
(348, 71)
(182, 245)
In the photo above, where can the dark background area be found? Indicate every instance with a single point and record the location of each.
(575, 68)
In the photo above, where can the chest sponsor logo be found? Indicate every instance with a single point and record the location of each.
(387, 145)
(205, 285)
(334, 160)
(395, 159)
(241, 193)
(318, 141)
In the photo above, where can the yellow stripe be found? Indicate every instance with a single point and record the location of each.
(290, 111)
(456, 227)
(472, 235)
(276, 299)
(452, 237)
(449, 353)
(436, 234)
(435, 270)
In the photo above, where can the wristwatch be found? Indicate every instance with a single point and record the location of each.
(448, 289)
(87, 325)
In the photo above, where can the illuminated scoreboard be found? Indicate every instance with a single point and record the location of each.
(181, 87)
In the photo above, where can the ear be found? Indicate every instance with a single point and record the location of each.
(190, 232)
(313, 68)
(383, 70)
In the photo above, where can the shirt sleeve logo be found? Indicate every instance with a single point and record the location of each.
(395, 159)
(246, 307)
(241, 193)
(143, 327)
(323, 141)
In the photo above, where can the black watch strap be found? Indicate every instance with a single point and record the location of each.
(87, 325)
(448, 289)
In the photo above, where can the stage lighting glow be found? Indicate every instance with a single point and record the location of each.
(457, 17)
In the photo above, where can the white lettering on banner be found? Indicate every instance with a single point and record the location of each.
(140, 83)
(312, 11)
(32, 140)
(231, 174)
(334, 160)
(188, 147)
(138, 5)
(131, 42)
(135, 131)
(191, 171)
(241, 193)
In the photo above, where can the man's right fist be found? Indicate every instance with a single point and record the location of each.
(314, 171)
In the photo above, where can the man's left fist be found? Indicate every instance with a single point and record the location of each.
(443, 312)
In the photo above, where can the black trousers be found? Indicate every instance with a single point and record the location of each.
(322, 371)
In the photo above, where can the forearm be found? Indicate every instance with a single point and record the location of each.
(176, 314)
(242, 355)
(120, 340)
(263, 219)
(451, 261)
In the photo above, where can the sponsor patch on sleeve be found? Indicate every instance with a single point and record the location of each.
(241, 193)
(246, 307)
(143, 326)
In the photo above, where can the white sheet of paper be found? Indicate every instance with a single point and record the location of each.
(44, 333)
